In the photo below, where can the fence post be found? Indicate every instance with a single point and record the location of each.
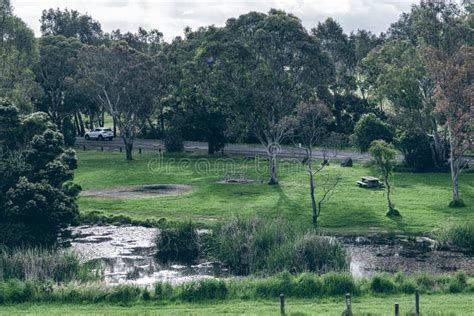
(120, 148)
(101, 148)
(348, 304)
(417, 302)
(282, 304)
(139, 151)
(84, 147)
(397, 310)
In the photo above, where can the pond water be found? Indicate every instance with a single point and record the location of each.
(126, 254)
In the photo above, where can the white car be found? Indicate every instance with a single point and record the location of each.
(100, 133)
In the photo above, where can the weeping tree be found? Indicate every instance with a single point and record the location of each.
(309, 128)
(123, 81)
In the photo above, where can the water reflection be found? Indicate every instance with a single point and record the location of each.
(126, 254)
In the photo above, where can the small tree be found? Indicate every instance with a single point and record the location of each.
(385, 155)
(309, 128)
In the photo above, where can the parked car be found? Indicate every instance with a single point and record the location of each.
(100, 133)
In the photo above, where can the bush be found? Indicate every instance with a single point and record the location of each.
(203, 290)
(315, 253)
(163, 291)
(383, 284)
(460, 235)
(38, 264)
(179, 244)
(173, 142)
(308, 285)
(338, 283)
(124, 294)
(416, 148)
(370, 128)
(255, 245)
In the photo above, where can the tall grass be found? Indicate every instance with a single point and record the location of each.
(460, 235)
(259, 246)
(42, 264)
(306, 285)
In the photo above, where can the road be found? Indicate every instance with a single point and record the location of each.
(147, 145)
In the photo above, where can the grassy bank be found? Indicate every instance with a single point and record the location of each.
(434, 305)
(421, 198)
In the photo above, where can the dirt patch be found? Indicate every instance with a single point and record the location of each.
(139, 191)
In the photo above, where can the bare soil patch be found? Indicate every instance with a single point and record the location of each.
(139, 191)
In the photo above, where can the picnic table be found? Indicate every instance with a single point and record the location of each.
(369, 182)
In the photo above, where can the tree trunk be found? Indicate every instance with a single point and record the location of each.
(313, 198)
(81, 124)
(115, 127)
(76, 124)
(273, 170)
(454, 169)
(128, 142)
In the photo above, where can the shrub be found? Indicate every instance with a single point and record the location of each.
(163, 291)
(124, 294)
(338, 283)
(308, 285)
(383, 284)
(461, 235)
(249, 246)
(43, 264)
(174, 142)
(178, 244)
(203, 290)
(370, 128)
(315, 253)
(425, 282)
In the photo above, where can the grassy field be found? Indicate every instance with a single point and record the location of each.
(422, 199)
(460, 304)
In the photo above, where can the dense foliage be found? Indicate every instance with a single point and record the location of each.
(36, 199)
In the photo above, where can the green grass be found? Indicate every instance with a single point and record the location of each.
(460, 304)
(422, 199)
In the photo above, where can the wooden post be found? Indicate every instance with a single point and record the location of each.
(348, 304)
(282, 304)
(101, 148)
(139, 151)
(417, 302)
(397, 310)
(84, 147)
(120, 148)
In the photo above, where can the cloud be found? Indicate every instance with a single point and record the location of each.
(172, 16)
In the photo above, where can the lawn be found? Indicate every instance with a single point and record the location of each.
(422, 199)
(460, 304)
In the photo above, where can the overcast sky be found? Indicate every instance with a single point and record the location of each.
(171, 16)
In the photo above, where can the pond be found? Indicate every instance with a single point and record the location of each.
(126, 254)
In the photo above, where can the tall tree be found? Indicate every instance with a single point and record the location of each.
(71, 23)
(454, 97)
(18, 55)
(123, 81)
(271, 64)
(56, 68)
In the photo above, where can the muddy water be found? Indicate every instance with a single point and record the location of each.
(126, 254)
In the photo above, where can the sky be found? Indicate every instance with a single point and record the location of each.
(172, 16)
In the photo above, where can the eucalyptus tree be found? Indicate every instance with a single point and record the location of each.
(18, 56)
(71, 23)
(55, 70)
(309, 128)
(268, 63)
(122, 80)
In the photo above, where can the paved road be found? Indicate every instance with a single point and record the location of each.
(231, 149)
